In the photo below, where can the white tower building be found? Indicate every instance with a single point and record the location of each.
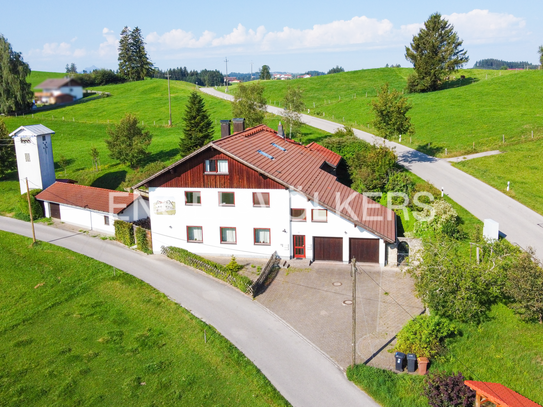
(34, 156)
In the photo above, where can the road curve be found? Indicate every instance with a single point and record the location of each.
(301, 372)
(518, 223)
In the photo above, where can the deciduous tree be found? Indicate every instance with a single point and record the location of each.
(390, 109)
(435, 53)
(197, 130)
(337, 69)
(250, 103)
(540, 52)
(265, 73)
(15, 93)
(294, 104)
(8, 161)
(128, 142)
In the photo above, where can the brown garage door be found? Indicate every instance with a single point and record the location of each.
(328, 248)
(364, 250)
(55, 210)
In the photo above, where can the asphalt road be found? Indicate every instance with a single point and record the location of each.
(301, 372)
(518, 223)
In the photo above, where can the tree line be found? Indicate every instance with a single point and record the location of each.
(203, 78)
(492, 63)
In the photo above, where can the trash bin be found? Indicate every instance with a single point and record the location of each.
(423, 365)
(411, 362)
(400, 361)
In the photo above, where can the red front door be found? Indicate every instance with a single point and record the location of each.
(299, 246)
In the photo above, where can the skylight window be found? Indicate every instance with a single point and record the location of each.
(265, 154)
(279, 147)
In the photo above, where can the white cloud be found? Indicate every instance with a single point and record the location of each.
(52, 49)
(240, 35)
(178, 39)
(110, 45)
(484, 26)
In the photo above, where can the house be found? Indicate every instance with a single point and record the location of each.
(56, 91)
(255, 192)
(91, 208)
(282, 76)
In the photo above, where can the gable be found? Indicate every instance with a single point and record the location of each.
(190, 174)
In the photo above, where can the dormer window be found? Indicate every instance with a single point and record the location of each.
(216, 167)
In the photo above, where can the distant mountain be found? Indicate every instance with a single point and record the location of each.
(90, 69)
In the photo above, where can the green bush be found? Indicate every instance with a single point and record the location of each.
(124, 232)
(37, 211)
(424, 335)
(233, 266)
(141, 240)
(207, 266)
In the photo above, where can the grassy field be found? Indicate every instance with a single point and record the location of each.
(76, 332)
(479, 109)
(80, 127)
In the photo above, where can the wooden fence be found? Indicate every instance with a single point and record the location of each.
(266, 276)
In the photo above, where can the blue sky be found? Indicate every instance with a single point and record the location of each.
(286, 35)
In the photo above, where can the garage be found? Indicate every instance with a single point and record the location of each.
(55, 210)
(328, 248)
(364, 250)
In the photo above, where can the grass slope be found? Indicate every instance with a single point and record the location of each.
(480, 109)
(73, 332)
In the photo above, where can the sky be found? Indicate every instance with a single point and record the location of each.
(286, 35)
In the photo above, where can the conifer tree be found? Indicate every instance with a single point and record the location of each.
(15, 93)
(197, 130)
(435, 53)
(134, 63)
(265, 73)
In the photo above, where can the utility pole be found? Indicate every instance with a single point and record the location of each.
(30, 213)
(353, 275)
(226, 77)
(169, 100)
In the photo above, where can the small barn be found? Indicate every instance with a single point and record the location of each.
(90, 207)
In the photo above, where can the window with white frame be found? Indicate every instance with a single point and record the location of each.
(262, 236)
(227, 199)
(297, 215)
(106, 220)
(216, 167)
(261, 199)
(193, 198)
(319, 215)
(195, 234)
(228, 235)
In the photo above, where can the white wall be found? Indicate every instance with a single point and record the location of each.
(87, 219)
(171, 230)
(41, 168)
(75, 91)
(138, 210)
(336, 226)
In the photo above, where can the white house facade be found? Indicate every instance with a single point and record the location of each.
(53, 88)
(254, 192)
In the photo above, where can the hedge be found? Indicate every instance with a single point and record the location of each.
(124, 232)
(141, 240)
(209, 267)
(37, 211)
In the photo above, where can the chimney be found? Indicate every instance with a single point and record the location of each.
(239, 125)
(280, 131)
(225, 128)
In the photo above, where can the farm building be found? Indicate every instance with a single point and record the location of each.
(255, 192)
(56, 91)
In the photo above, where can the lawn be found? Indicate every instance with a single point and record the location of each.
(75, 331)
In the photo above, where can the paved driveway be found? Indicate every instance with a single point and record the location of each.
(311, 299)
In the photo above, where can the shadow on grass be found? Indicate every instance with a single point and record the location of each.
(458, 82)
(10, 176)
(69, 161)
(429, 149)
(111, 180)
(165, 156)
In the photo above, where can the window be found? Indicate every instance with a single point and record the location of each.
(228, 235)
(195, 234)
(106, 220)
(279, 147)
(262, 236)
(265, 154)
(193, 198)
(319, 215)
(217, 166)
(226, 199)
(261, 199)
(27, 157)
(297, 215)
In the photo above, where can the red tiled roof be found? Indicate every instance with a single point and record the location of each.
(500, 395)
(57, 83)
(331, 158)
(82, 196)
(299, 167)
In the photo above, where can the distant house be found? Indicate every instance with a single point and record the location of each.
(92, 208)
(56, 91)
(231, 80)
(304, 76)
(282, 76)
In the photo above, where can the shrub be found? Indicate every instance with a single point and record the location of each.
(448, 391)
(439, 218)
(124, 232)
(37, 211)
(424, 335)
(141, 240)
(233, 266)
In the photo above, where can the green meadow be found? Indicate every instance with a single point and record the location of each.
(75, 331)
